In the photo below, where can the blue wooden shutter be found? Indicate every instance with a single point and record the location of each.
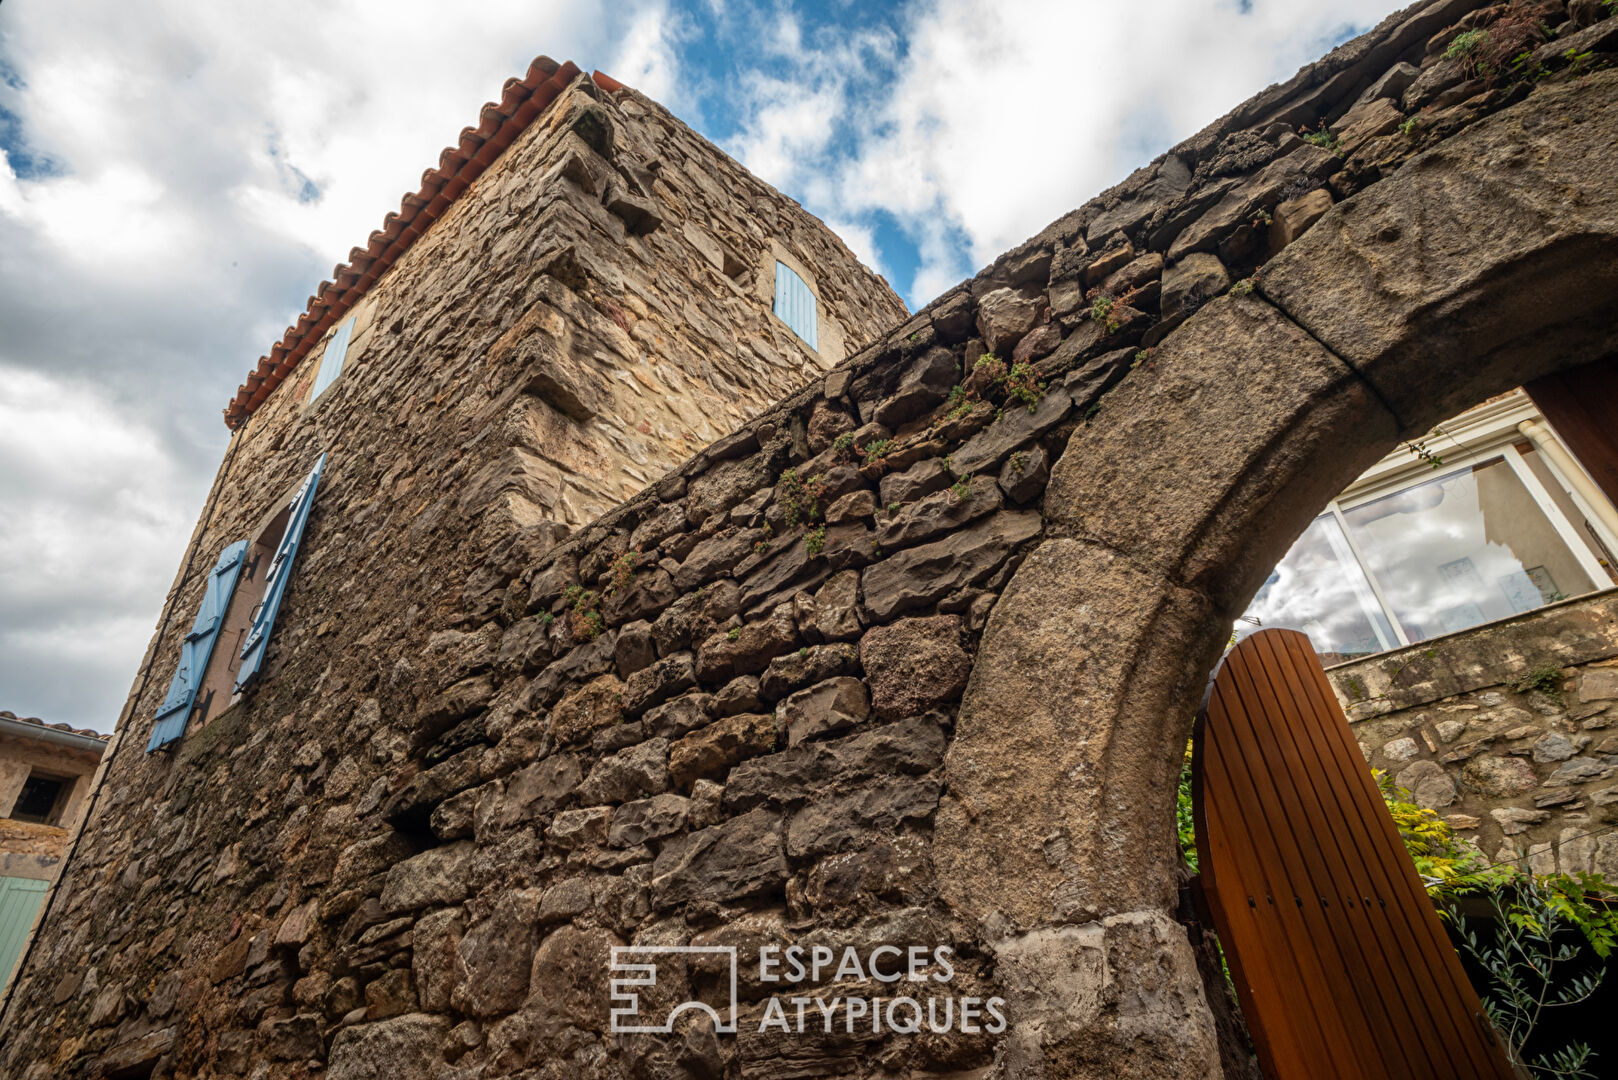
(275, 581)
(331, 360)
(795, 305)
(197, 648)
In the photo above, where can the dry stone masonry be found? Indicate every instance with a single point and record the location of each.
(906, 659)
(1504, 732)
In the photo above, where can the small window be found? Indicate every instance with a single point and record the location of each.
(38, 799)
(331, 360)
(795, 305)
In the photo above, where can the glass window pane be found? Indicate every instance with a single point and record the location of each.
(1463, 549)
(1319, 589)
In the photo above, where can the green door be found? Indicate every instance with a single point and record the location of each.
(19, 900)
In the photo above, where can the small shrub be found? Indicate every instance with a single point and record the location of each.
(1101, 311)
(621, 572)
(1465, 44)
(800, 498)
(1244, 287)
(814, 541)
(1020, 385)
(875, 450)
(961, 487)
(584, 621)
(1322, 137)
(733, 633)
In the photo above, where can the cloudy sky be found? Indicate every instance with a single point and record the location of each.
(177, 175)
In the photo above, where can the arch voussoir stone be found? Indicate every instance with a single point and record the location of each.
(1481, 264)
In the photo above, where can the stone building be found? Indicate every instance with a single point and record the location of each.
(517, 666)
(45, 776)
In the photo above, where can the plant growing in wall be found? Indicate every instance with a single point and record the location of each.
(800, 498)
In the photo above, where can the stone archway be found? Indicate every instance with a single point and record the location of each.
(1480, 265)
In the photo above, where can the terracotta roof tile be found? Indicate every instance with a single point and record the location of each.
(59, 727)
(499, 125)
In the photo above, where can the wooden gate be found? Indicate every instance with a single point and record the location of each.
(1340, 962)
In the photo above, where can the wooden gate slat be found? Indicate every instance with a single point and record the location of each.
(1298, 799)
(1271, 822)
(1410, 1006)
(1439, 965)
(1341, 963)
(1270, 945)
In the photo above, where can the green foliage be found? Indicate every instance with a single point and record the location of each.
(733, 633)
(1528, 961)
(584, 622)
(875, 450)
(1322, 137)
(1465, 44)
(1184, 820)
(1579, 63)
(844, 443)
(621, 572)
(1244, 287)
(1020, 385)
(1531, 910)
(814, 541)
(1101, 311)
(1409, 125)
(1451, 866)
(1546, 678)
(800, 498)
(1529, 946)
(1018, 459)
(961, 487)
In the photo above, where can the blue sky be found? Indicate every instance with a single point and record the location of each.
(177, 176)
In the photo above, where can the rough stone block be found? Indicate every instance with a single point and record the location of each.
(707, 754)
(736, 859)
(828, 706)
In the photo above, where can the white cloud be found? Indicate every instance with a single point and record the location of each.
(1004, 114)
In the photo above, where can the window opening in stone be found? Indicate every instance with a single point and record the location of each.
(795, 305)
(39, 801)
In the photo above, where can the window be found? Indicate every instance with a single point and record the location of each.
(331, 359)
(38, 800)
(795, 305)
(1414, 552)
(222, 654)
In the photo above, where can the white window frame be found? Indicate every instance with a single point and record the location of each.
(1483, 434)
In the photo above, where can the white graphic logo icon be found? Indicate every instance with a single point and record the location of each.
(629, 974)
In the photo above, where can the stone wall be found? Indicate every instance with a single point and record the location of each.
(1503, 731)
(909, 659)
